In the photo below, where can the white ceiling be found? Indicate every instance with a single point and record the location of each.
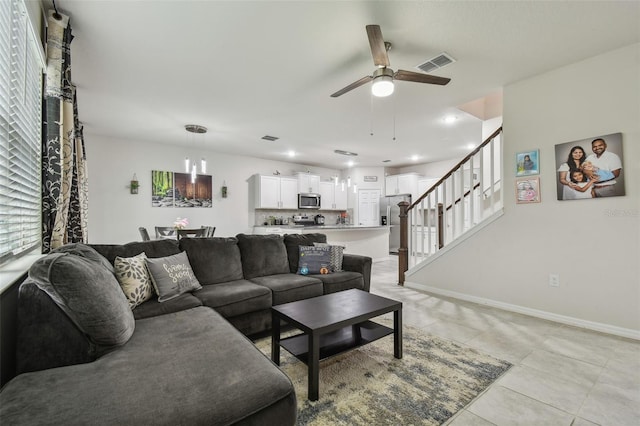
(244, 69)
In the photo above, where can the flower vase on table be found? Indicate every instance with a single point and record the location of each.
(181, 223)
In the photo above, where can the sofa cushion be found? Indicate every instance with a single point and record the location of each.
(133, 276)
(153, 308)
(337, 254)
(339, 281)
(172, 276)
(293, 241)
(88, 293)
(235, 297)
(287, 288)
(186, 368)
(262, 255)
(155, 248)
(214, 260)
(314, 260)
(83, 250)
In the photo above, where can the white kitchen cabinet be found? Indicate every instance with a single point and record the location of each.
(275, 192)
(402, 184)
(288, 193)
(308, 183)
(332, 197)
(340, 197)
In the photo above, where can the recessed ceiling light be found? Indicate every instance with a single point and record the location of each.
(414, 158)
(386, 161)
(270, 138)
(450, 119)
(350, 163)
(341, 152)
(291, 153)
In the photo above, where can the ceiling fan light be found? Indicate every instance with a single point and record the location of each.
(382, 86)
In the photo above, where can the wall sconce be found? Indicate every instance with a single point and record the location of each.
(134, 184)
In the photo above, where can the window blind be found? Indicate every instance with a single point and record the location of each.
(20, 132)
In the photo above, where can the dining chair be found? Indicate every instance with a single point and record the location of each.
(144, 234)
(165, 232)
(192, 233)
(210, 230)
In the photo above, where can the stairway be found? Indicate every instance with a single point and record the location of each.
(467, 198)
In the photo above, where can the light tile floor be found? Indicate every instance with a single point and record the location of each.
(561, 375)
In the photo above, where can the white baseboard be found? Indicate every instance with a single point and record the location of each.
(563, 319)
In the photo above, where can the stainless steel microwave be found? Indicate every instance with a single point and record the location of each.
(308, 201)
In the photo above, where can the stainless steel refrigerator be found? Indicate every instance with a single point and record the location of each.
(390, 213)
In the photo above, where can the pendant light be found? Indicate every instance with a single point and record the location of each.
(191, 168)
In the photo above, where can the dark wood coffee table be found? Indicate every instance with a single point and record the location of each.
(332, 324)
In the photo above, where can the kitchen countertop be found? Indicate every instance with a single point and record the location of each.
(327, 227)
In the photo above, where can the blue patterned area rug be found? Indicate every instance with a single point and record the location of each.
(368, 386)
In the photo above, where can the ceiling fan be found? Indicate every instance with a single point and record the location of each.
(383, 77)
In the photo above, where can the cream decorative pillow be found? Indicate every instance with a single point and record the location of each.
(133, 276)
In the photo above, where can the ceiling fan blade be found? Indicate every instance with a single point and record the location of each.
(420, 78)
(378, 50)
(354, 85)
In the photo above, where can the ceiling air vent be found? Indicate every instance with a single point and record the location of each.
(439, 61)
(270, 138)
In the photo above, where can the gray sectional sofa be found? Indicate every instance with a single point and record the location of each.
(84, 359)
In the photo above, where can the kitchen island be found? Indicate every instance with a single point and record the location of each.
(372, 241)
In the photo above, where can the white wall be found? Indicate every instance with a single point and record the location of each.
(115, 214)
(592, 244)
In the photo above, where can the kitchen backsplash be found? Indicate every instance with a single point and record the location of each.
(263, 216)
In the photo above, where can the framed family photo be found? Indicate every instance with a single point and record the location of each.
(527, 163)
(590, 168)
(528, 190)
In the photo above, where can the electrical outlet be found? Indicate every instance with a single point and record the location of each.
(554, 280)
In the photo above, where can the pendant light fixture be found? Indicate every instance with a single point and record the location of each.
(191, 168)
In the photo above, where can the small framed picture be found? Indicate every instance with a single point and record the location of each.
(528, 190)
(527, 163)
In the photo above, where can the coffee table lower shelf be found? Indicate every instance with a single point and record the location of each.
(336, 342)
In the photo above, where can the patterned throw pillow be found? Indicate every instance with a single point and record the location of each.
(134, 279)
(172, 276)
(337, 255)
(314, 260)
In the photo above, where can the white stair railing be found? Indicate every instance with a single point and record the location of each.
(470, 193)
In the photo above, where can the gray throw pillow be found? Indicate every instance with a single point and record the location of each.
(337, 255)
(314, 260)
(88, 293)
(172, 276)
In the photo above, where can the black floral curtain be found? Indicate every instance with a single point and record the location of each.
(64, 180)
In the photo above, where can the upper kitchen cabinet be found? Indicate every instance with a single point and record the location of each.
(308, 183)
(402, 184)
(332, 197)
(275, 192)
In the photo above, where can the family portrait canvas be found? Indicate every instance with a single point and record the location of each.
(590, 168)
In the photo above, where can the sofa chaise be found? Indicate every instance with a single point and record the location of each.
(86, 357)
